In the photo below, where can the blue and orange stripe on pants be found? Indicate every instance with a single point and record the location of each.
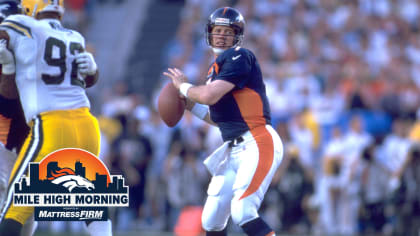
(251, 108)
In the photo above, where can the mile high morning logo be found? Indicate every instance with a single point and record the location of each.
(70, 184)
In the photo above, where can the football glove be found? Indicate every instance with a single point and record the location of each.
(86, 64)
(6, 59)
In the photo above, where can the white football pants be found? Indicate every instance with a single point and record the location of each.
(239, 186)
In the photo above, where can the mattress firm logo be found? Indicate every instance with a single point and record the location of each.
(70, 184)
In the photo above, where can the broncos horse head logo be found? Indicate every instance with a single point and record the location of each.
(73, 181)
(67, 178)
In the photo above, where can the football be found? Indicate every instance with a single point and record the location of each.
(170, 105)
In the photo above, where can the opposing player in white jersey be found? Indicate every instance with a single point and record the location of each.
(48, 65)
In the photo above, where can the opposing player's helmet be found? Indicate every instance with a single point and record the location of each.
(226, 16)
(9, 7)
(33, 7)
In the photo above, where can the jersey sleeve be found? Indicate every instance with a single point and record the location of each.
(235, 67)
(17, 27)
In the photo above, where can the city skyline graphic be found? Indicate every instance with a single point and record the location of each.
(70, 184)
(54, 172)
(68, 157)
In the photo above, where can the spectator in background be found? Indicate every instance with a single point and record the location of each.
(414, 132)
(192, 132)
(327, 108)
(160, 137)
(304, 134)
(185, 177)
(396, 147)
(330, 189)
(117, 100)
(355, 140)
(75, 17)
(294, 186)
(132, 155)
(408, 205)
(374, 191)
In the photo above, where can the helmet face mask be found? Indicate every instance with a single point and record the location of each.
(9, 7)
(225, 16)
(33, 7)
(223, 37)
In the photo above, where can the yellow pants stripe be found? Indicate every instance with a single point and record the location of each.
(35, 144)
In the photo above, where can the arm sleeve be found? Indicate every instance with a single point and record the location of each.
(12, 37)
(16, 27)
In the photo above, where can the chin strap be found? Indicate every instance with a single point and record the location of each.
(217, 51)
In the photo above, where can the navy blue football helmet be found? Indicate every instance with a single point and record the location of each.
(9, 7)
(226, 16)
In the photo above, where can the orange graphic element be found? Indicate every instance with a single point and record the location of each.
(4, 128)
(250, 106)
(67, 158)
(265, 160)
(64, 171)
(271, 233)
(224, 10)
(214, 68)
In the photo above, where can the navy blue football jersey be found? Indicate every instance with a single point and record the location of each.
(13, 127)
(246, 105)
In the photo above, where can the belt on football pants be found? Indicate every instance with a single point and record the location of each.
(236, 141)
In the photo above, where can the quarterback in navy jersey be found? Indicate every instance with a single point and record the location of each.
(234, 99)
(246, 105)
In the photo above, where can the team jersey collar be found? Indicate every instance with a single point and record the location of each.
(55, 21)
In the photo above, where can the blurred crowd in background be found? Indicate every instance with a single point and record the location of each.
(343, 80)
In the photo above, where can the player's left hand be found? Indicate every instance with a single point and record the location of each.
(177, 76)
(86, 63)
(6, 58)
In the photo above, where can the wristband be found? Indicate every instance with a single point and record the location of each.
(183, 88)
(8, 69)
(200, 110)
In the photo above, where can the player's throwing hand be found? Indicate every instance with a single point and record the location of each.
(177, 76)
